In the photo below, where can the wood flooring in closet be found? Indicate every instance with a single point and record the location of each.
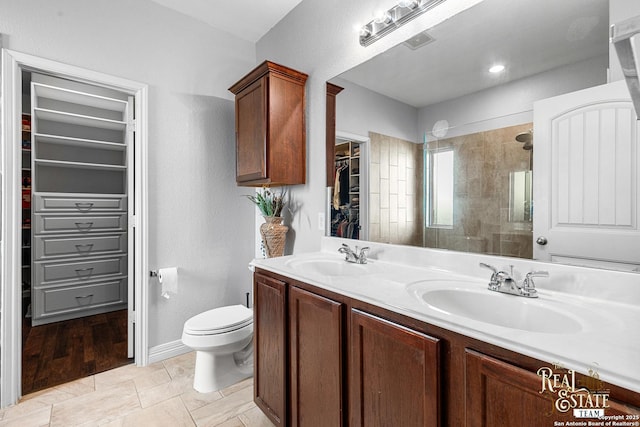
(60, 352)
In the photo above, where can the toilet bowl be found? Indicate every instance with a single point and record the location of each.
(222, 339)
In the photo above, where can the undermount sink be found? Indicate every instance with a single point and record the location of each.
(482, 305)
(328, 267)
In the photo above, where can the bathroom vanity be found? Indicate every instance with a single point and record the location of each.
(398, 341)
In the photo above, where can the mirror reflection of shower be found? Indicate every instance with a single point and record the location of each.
(521, 183)
(526, 138)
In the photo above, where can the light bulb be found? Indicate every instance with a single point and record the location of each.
(381, 17)
(410, 4)
(496, 68)
(365, 31)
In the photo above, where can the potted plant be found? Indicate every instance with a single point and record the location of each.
(273, 232)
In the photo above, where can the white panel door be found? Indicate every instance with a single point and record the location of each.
(586, 181)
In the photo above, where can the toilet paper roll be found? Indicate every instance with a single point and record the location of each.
(168, 278)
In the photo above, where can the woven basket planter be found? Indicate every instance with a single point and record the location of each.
(274, 235)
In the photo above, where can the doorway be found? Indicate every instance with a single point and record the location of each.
(126, 288)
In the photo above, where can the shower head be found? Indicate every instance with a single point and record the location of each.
(526, 138)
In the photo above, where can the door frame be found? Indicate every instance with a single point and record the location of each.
(10, 244)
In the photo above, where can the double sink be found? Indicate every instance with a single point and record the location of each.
(457, 299)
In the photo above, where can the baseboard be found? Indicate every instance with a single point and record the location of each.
(167, 350)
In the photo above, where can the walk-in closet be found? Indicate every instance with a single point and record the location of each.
(347, 202)
(75, 270)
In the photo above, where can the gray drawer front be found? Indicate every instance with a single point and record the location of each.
(79, 224)
(70, 246)
(79, 271)
(59, 203)
(78, 298)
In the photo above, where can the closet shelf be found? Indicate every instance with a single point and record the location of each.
(75, 97)
(78, 165)
(79, 119)
(79, 142)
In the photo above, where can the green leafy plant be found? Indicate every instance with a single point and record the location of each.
(269, 203)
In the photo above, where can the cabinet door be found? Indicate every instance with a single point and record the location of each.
(270, 356)
(251, 132)
(394, 374)
(315, 331)
(500, 394)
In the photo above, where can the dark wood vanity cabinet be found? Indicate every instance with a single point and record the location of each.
(325, 359)
(270, 126)
(270, 354)
(305, 362)
(316, 335)
(394, 374)
(502, 394)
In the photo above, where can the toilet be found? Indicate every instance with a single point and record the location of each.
(223, 341)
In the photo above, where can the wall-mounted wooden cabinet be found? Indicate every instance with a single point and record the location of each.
(270, 126)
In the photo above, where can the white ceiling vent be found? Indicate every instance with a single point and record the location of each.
(419, 40)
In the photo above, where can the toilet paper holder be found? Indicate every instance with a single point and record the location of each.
(153, 273)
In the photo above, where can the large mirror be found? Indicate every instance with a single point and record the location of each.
(435, 148)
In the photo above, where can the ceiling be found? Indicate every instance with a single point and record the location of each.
(246, 19)
(528, 37)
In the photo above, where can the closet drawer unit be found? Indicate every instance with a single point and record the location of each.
(47, 273)
(70, 246)
(59, 300)
(48, 202)
(47, 224)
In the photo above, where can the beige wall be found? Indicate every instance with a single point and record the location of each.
(395, 189)
(482, 163)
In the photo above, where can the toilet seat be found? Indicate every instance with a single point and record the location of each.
(219, 320)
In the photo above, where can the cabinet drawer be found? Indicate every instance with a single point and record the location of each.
(68, 202)
(79, 271)
(79, 224)
(71, 246)
(50, 301)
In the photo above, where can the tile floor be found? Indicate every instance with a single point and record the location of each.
(160, 394)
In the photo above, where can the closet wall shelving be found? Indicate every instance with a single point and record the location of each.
(79, 209)
(345, 212)
(26, 205)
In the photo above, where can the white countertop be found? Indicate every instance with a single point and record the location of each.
(605, 304)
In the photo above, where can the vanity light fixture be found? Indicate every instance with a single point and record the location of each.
(385, 22)
(498, 68)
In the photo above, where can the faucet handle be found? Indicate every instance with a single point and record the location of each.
(493, 282)
(490, 267)
(528, 287)
(540, 273)
(360, 255)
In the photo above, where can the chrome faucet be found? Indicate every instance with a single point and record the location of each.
(504, 282)
(359, 256)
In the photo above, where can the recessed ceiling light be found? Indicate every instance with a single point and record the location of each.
(496, 68)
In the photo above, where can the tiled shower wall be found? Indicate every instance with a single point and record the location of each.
(395, 191)
(482, 163)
